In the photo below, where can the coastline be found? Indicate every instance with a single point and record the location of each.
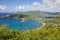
(43, 24)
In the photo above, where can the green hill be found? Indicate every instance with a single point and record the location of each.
(38, 13)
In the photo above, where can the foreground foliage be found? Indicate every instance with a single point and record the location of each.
(51, 31)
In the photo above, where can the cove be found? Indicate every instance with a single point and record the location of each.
(17, 24)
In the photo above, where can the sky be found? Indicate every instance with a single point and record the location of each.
(29, 5)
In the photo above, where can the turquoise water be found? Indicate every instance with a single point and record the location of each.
(17, 24)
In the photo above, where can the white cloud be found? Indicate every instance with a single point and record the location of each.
(25, 7)
(47, 5)
(38, 6)
(53, 4)
(34, 6)
(2, 7)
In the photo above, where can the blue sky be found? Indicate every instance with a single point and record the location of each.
(29, 5)
(12, 3)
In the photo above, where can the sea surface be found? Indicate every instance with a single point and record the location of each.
(17, 24)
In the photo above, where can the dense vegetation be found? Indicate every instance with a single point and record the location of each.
(32, 13)
(51, 31)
